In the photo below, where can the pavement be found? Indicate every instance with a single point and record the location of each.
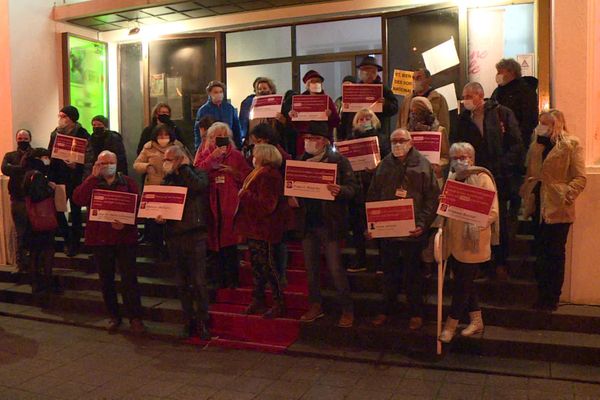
(40, 360)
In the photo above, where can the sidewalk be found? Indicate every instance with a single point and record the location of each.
(52, 361)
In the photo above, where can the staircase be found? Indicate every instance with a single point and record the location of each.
(513, 329)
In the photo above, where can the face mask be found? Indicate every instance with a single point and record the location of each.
(168, 167)
(401, 149)
(312, 147)
(254, 162)
(162, 142)
(315, 88)
(164, 118)
(217, 98)
(469, 105)
(542, 130)
(367, 126)
(418, 86)
(109, 170)
(98, 130)
(46, 161)
(459, 165)
(500, 79)
(264, 93)
(23, 145)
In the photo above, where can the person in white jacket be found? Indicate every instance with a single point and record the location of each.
(467, 245)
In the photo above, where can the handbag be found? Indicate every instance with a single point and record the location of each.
(41, 214)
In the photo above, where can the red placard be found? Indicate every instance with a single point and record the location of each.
(266, 106)
(309, 179)
(69, 148)
(391, 218)
(362, 153)
(310, 107)
(111, 206)
(466, 203)
(360, 96)
(429, 144)
(166, 202)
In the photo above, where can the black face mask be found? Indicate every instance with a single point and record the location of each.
(23, 146)
(221, 141)
(98, 130)
(164, 118)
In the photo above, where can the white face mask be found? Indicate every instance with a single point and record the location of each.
(542, 130)
(459, 165)
(109, 170)
(469, 105)
(500, 79)
(315, 88)
(217, 98)
(254, 162)
(401, 149)
(418, 86)
(312, 147)
(162, 142)
(46, 161)
(168, 167)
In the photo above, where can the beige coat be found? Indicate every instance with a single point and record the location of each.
(152, 154)
(562, 174)
(455, 229)
(438, 103)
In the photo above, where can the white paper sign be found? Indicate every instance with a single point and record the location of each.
(449, 93)
(391, 218)
(441, 57)
(429, 145)
(309, 179)
(167, 202)
(527, 63)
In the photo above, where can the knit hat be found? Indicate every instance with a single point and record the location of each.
(319, 128)
(370, 61)
(102, 119)
(71, 112)
(349, 78)
(312, 74)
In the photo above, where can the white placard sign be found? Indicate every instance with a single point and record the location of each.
(441, 57)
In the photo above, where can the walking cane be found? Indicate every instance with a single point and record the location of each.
(439, 257)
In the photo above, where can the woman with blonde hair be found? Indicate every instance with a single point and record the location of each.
(260, 220)
(555, 177)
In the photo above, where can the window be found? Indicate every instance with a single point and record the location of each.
(262, 44)
(239, 79)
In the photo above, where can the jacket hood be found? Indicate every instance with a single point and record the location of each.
(531, 81)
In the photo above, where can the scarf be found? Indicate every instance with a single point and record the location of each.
(318, 157)
(251, 177)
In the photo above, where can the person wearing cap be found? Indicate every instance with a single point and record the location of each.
(368, 73)
(104, 139)
(313, 81)
(69, 174)
(11, 167)
(218, 106)
(324, 223)
(422, 87)
(405, 174)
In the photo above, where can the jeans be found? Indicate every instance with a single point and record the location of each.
(20, 219)
(408, 270)
(550, 262)
(464, 291)
(263, 270)
(121, 257)
(188, 254)
(311, 245)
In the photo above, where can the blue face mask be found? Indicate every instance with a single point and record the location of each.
(109, 170)
(459, 165)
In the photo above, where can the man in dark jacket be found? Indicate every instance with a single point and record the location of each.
(70, 174)
(113, 244)
(186, 240)
(104, 139)
(368, 70)
(324, 223)
(12, 166)
(494, 133)
(245, 107)
(405, 174)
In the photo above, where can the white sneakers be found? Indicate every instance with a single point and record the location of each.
(476, 326)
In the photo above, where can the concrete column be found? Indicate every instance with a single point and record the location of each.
(6, 136)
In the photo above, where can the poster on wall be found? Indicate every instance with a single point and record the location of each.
(85, 77)
(486, 45)
(527, 63)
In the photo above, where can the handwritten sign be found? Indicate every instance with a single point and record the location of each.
(402, 84)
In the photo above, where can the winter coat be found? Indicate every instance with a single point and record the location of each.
(146, 136)
(13, 168)
(562, 177)
(333, 213)
(196, 201)
(244, 117)
(60, 173)
(102, 233)
(223, 193)
(438, 103)
(500, 148)
(390, 108)
(263, 212)
(153, 154)
(224, 112)
(520, 95)
(416, 176)
(111, 141)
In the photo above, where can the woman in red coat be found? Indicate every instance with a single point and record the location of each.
(261, 220)
(227, 169)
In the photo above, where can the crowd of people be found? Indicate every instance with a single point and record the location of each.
(234, 175)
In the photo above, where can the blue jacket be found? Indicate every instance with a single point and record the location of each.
(245, 115)
(225, 113)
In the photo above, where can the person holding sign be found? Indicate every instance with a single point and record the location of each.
(70, 174)
(467, 245)
(261, 221)
(405, 174)
(313, 82)
(369, 74)
(227, 169)
(323, 223)
(555, 178)
(266, 87)
(186, 240)
(113, 244)
(422, 87)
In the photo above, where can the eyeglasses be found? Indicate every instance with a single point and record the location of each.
(400, 141)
